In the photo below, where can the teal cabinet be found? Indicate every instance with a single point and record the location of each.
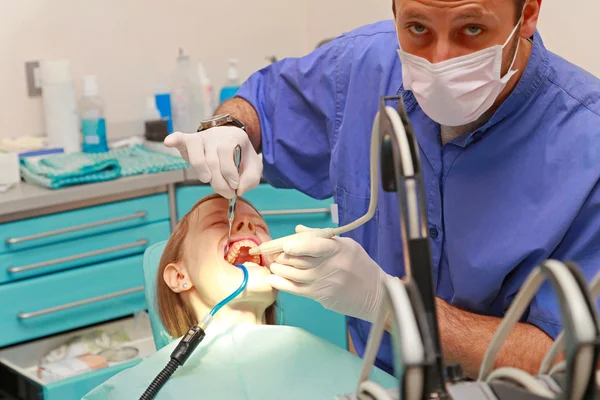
(66, 300)
(68, 270)
(283, 209)
(70, 225)
(80, 252)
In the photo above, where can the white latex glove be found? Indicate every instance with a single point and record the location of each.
(210, 153)
(336, 272)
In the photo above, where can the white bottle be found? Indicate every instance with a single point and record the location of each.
(207, 90)
(186, 96)
(60, 105)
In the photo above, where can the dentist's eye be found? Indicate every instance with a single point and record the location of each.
(472, 30)
(418, 29)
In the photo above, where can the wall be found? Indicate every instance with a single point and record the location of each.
(330, 18)
(571, 29)
(132, 44)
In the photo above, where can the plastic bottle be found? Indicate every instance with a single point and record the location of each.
(233, 82)
(60, 105)
(162, 97)
(186, 96)
(152, 112)
(93, 124)
(207, 90)
(156, 128)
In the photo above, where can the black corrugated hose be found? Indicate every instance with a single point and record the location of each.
(160, 380)
(179, 356)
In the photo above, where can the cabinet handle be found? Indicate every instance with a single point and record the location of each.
(295, 212)
(137, 215)
(51, 310)
(81, 256)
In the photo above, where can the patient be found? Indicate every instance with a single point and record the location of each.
(195, 274)
(244, 354)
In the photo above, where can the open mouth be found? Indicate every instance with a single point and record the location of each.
(238, 252)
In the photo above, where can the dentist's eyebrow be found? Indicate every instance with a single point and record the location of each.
(469, 15)
(411, 14)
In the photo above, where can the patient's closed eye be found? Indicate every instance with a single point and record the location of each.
(218, 222)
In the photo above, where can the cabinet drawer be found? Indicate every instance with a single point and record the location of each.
(81, 251)
(66, 300)
(18, 364)
(282, 204)
(53, 228)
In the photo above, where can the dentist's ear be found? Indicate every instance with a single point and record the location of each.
(531, 14)
(176, 278)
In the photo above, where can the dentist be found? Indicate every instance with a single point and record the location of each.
(509, 135)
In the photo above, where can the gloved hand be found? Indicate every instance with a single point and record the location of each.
(336, 272)
(210, 153)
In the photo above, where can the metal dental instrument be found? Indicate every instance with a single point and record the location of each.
(237, 159)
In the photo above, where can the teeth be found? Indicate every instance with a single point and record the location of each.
(234, 250)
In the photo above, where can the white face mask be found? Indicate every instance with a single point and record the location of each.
(458, 91)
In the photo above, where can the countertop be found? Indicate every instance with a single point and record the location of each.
(26, 197)
(27, 200)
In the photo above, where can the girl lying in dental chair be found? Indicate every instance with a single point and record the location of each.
(244, 355)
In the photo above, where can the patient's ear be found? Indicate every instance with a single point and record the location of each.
(176, 277)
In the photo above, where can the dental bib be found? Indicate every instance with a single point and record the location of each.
(248, 362)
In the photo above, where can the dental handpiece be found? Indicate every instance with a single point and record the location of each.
(237, 159)
(276, 245)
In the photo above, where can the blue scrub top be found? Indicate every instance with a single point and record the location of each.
(521, 189)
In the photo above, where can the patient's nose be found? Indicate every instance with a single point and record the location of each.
(244, 226)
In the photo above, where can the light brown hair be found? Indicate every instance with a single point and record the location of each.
(177, 316)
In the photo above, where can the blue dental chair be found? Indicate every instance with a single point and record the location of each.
(292, 310)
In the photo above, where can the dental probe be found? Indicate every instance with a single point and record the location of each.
(237, 158)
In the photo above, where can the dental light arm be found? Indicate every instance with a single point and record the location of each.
(558, 345)
(407, 342)
(401, 173)
(581, 331)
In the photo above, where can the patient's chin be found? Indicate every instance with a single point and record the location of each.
(257, 282)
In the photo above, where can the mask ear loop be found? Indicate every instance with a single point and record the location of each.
(519, 24)
(510, 72)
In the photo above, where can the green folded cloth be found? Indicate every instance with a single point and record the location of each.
(139, 160)
(55, 172)
(62, 170)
